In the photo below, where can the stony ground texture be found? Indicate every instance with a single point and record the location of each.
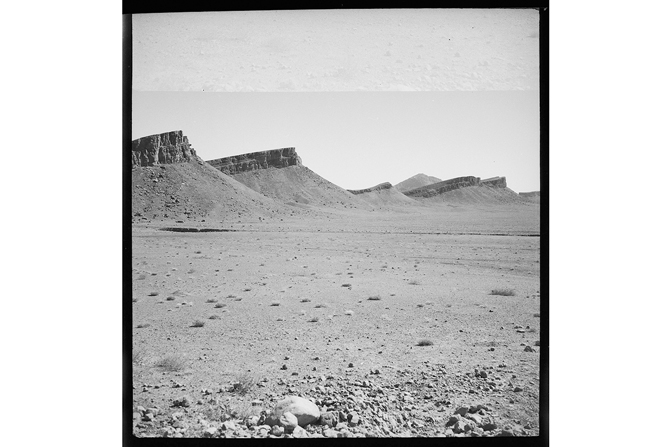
(389, 325)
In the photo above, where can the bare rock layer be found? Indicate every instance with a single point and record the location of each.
(276, 158)
(444, 186)
(380, 187)
(495, 182)
(163, 148)
(416, 181)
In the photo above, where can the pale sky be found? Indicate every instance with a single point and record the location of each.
(359, 139)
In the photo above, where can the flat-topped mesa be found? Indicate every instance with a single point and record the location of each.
(380, 187)
(496, 182)
(276, 158)
(444, 186)
(162, 148)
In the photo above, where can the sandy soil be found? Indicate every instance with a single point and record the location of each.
(270, 279)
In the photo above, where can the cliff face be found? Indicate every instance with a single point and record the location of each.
(444, 186)
(380, 187)
(163, 148)
(276, 158)
(495, 182)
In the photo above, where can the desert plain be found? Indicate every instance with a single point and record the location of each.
(400, 320)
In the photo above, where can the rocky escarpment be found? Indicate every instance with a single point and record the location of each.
(276, 158)
(163, 148)
(416, 181)
(495, 182)
(380, 187)
(444, 186)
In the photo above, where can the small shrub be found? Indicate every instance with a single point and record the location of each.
(171, 363)
(374, 298)
(503, 292)
(215, 317)
(424, 343)
(275, 304)
(313, 320)
(211, 300)
(243, 384)
(143, 325)
(198, 323)
(153, 294)
(219, 305)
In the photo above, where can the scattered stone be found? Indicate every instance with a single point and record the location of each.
(289, 422)
(277, 430)
(330, 433)
(184, 401)
(230, 425)
(210, 432)
(517, 389)
(305, 411)
(299, 432)
(329, 418)
(529, 349)
(461, 411)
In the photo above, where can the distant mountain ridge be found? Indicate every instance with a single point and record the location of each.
(416, 181)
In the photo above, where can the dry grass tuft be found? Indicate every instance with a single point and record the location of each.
(198, 323)
(424, 342)
(243, 383)
(171, 363)
(503, 292)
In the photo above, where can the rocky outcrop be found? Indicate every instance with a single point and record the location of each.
(444, 186)
(416, 181)
(495, 182)
(380, 187)
(530, 194)
(276, 158)
(163, 148)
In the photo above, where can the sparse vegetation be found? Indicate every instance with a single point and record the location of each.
(198, 323)
(374, 298)
(171, 363)
(243, 384)
(503, 292)
(424, 342)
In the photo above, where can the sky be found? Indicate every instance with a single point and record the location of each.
(360, 139)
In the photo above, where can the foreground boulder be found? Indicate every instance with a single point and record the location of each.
(305, 411)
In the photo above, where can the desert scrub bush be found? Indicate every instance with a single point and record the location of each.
(211, 300)
(503, 292)
(139, 356)
(424, 342)
(171, 363)
(243, 383)
(313, 320)
(374, 298)
(215, 317)
(219, 305)
(306, 300)
(143, 325)
(153, 293)
(198, 323)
